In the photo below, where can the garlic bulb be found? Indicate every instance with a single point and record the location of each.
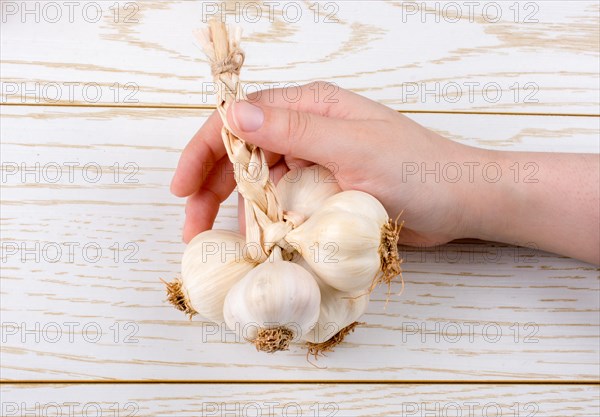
(212, 263)
(338, 309)
(349, 242)
(276, 302)
(304, 190)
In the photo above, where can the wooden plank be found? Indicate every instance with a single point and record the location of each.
(523, 57)
(71, 311)
(321, 400)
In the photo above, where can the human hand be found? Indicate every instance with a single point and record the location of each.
(363, 142)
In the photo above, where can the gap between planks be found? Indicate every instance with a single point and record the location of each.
(196, 107)
(305, 381)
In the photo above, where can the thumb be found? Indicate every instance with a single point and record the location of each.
(290, 132)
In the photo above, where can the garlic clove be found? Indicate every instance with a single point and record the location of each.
(212, 263)
(275, 303)
(304, 190)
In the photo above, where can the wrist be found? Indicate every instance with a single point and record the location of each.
(490, 198)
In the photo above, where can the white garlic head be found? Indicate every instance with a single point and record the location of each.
(275, 303)
(348, 242)
(212, 263)
(338, 309)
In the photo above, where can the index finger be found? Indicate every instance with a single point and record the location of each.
(199, 157)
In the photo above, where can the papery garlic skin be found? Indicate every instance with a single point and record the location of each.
(338, 309)
(304, 190)
(212, 263)
(276, 294)
(341, 240)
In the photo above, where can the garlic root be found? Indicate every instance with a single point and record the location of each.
(273, 340)
(177, 298)
(319, 349)
(389, 256)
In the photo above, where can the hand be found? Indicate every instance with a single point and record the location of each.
(407, 167)
(363, 142)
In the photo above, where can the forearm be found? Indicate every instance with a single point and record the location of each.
(548, 200)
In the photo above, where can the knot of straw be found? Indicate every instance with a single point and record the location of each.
(231, 64)
(251, 170)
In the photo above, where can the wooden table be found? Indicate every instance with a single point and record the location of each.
(98, 100)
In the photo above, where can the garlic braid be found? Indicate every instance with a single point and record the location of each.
(251, 171)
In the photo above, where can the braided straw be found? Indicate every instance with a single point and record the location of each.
(251, 171)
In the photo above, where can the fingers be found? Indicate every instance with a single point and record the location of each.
(202, 206)
(296, 163)
(317, 122)
(294, 133)
(322, 98)
(277, 171)
(199, 157)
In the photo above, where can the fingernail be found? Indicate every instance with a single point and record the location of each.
(247, 117)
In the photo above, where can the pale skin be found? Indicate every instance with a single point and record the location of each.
(548, 201)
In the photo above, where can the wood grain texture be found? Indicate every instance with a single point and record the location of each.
(91, 305)
(537, 57)
(315, 400)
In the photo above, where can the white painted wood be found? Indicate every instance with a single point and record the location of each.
(469, 311)
(319, 400)
(437, 56)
